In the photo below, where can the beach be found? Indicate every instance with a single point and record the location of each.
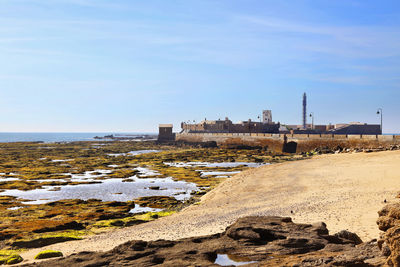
(343, 190)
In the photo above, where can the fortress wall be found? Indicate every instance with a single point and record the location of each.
(314, 136)
(386, 138)
(354, 137)
(370, 137)
(291, 137)
(306, 142)
(340, 137)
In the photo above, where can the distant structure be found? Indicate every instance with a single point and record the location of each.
(267, 116)
(266, 125)
(226, 126)
(165, 133)
(304, 111)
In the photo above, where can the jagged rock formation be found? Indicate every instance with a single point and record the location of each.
(264, 241)
(389, 222)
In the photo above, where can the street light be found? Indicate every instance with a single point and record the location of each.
(312, 116)
(380, 112)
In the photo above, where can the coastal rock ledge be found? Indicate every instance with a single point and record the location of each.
(389, 222)
(261, 241)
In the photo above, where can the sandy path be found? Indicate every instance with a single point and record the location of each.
(344, 190)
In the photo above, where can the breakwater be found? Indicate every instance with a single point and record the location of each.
(303, 142)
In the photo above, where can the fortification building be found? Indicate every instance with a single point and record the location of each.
(267, 116)
(226, 126)
(165, 133)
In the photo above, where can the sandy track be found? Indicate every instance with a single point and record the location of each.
(345, 191)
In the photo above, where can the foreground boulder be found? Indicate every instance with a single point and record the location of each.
(261, 241)
(389, 222)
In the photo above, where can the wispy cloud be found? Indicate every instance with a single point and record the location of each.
(349, 41)
(83, 3)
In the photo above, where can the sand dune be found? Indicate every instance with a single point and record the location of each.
(344, 190)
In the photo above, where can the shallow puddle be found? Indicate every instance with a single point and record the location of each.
(8, 179)
(219, 174)
(36, 202)
(88, 176)
(139, 209)
(146, 172)
(107, 190)
(229, 260)
(139, 152)
(112, 166)
(215, 164)
(50, 180)
(15, 208)
(134, 153)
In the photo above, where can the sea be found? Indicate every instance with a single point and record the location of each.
(6, 137)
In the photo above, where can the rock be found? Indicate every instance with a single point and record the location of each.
(321, 229)
(116, 204)
(117, 223)
(389, 221)
(389, 216)
(267, 241)
(41, 242)
(154, 188)
(349, 236)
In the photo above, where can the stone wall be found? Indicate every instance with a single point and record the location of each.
(306, 142)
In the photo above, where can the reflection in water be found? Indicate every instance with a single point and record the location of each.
(215, 164)
(8, 179)
(15, 208)
(139, 209)
(229, 260)
(107, 190)
(146, 172)
(134, 153)
(220, 174)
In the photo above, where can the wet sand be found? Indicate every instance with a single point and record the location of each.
(345, 191)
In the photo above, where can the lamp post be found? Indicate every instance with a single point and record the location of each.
(380, 112)
(312, 116)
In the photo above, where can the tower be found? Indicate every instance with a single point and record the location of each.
(304, 111)
(267, 116)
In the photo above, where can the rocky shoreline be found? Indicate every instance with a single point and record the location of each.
(258, 241)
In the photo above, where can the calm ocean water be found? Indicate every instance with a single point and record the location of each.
(55, 137)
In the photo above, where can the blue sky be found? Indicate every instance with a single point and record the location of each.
(125, 66)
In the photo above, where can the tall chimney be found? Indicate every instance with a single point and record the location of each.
(305, 111)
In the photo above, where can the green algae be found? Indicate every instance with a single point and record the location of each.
(10, 257)
(132, 220)
(73, 234)
(46, 254)
(40, 240)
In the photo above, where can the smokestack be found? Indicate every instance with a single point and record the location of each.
(305, 111)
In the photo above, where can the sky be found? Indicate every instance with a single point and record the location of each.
(127, 65)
